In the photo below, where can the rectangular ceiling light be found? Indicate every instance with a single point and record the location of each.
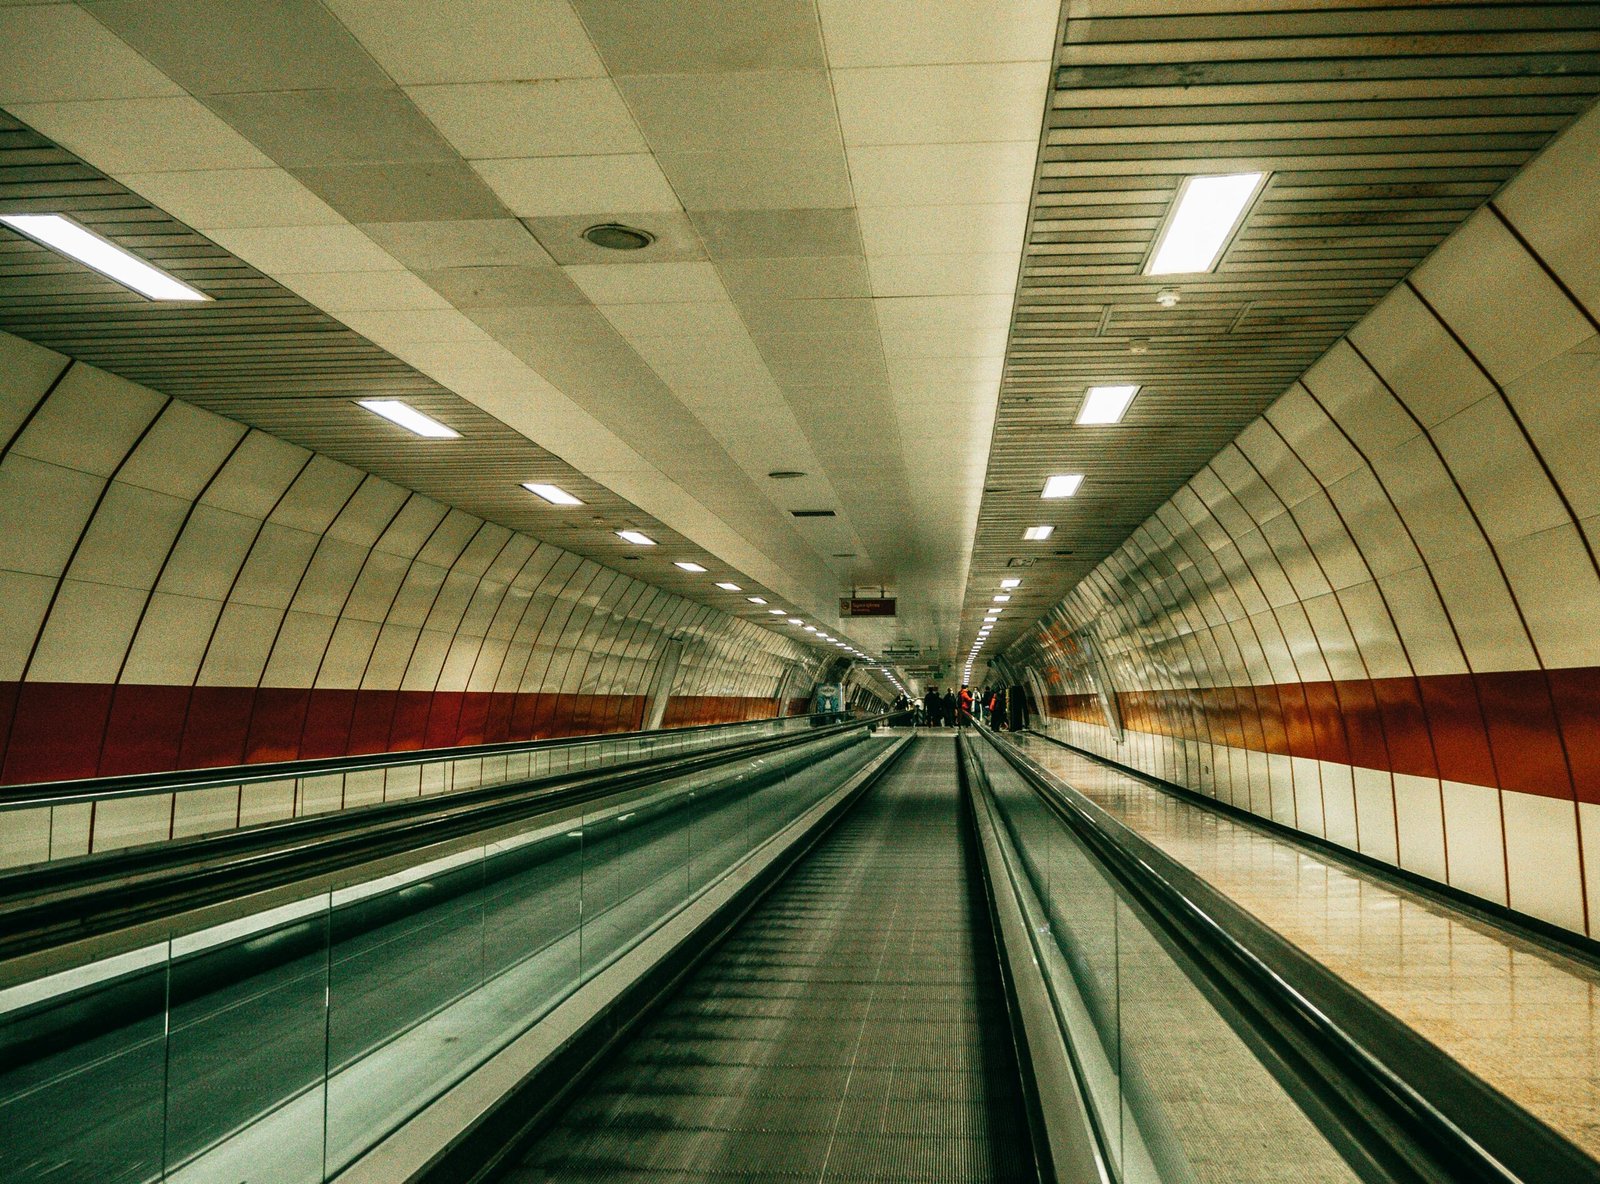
(1002, 598)
(87, 247)
(1062, 485)
(1013, 583)
(727, 587)
(756, 599)
(409, 418)
(990, 620)
(1207, 211)
(553, 494)
(796, 621)
(687, 565)
(1037, 534)
(637, 538)
(1106, 404)
(777, 612)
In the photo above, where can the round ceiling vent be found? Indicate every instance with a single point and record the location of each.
(614, 236)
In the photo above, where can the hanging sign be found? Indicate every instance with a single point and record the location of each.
(850, 606)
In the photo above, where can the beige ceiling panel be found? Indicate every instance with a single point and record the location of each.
(779, 179)
(920, 374)
(942, 104)
(646, 283)
(471, 242)
(694, 36)
(935, 32)
(943, 275)
(909, 313)
(339, 292)
(750, 110)
(809, 316)
(59, 53)
(424, 41)
(222, 46)
(301, 249)
(565, 117)
(946, 343)
(402, 192)
(705, 320)
(827, 277)
(938, 174)
(569, 185)
(143, 135)
(502, 287)
(563, 322)
(945, 230)
(220, 198)
(305, 129)
(417, 326)
(776, 234)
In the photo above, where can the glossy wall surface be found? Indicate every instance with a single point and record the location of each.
(1375, 616)
(178, 591)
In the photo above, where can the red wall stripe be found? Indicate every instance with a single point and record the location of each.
(1502, 728)
(58, 727)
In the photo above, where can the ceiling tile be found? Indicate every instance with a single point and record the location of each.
(217, 198)
(424, 41)
(937, 174)
(566, 117)
(809, 316)
(699, 319)
(943, 275)
(691, 36)
(909, 313)
(645, 283)
(59, 53)
(557, 185)
(490, 242)
(434, 191)
(942, 104)
(416, 326)
(326, 127)
(303, 249)
(502, 287)
(938, 230)
(751, 234)
(945, 343)
(676, 240)
(143, 135)
(223, 46)
(755, 109)
(339, 292)
(935, 32)
(765, 180)
(829, 276)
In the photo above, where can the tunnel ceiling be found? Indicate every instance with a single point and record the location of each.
(1381, 126)
(388, 196)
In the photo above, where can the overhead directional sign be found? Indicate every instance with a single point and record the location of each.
(850, 606)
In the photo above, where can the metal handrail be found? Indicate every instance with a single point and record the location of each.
(1422, 1116)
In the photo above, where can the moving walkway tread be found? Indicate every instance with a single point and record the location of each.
(853, 1026)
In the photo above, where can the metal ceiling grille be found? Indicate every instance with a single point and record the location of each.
(1382, 127)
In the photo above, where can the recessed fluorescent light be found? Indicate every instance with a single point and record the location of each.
(553, 494)
(811, 628)
(637, 538)
(1010, 583)
(409, 418)
(796, 621)
(1062, 485)
(1208, 209)
(756, 599)
(994, 608)
(777, 612)
(1002, 598)
(1106, 404)
(1037, 534)
(727, 587)
(990, 620)
(687, 565)
(87, 247)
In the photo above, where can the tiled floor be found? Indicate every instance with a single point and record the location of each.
(1524, 1019)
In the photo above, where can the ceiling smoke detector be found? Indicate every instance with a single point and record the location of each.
(1168, 297)
(614, 236)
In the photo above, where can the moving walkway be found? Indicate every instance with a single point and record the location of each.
(842, 954)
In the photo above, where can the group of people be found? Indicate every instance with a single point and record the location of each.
(952, 709)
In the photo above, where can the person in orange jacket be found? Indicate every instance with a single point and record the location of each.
(966, 705)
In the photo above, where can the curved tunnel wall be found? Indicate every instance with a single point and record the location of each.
(178, 591)
(1375, 616)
